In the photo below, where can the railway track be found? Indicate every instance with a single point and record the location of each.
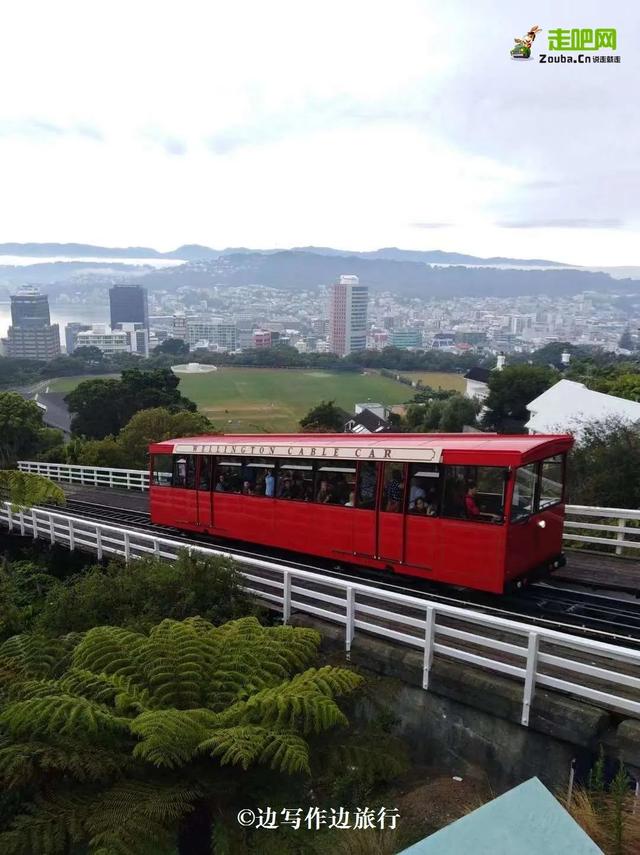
(601, 617)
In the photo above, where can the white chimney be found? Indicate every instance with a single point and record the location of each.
(501, 361)
(565, 356)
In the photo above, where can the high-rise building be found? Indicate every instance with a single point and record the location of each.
(212, 334)
(31, 334)
(128, 305)
(348, 315)
(71, 331)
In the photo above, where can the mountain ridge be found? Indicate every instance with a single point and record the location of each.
(198, 252)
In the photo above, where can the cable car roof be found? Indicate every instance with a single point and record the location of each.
(460, 448)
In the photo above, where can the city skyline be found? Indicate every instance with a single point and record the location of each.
(406, 126)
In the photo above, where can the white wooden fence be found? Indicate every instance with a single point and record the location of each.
(604, 674)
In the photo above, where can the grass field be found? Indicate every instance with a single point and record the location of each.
(67, 384)
(256, 400)
(437, 379)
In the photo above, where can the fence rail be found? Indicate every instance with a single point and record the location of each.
(601, 673)
(96, 476)
(618, 529)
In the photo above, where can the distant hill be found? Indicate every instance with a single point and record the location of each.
(301, 269)
(196, 252)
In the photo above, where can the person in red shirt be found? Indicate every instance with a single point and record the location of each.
(472, 510)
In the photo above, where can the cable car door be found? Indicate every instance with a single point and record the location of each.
(391, 512)
(203, 493)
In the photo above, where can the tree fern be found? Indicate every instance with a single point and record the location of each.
(137, 728)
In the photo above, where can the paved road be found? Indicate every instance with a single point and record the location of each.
(56, 414)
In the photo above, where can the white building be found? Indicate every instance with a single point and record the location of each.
(348, 315)
(217, 335)
(567, 407)
(130, 338)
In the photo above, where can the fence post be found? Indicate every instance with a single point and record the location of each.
(10, 517)
(34, 523)
(127, 546)
(95, 477)
(286, 596)
(52, 529)
(530, 678)
(128, 480)
(351, 601)
(156, 548)
(22, 526)
(429, 634)
(72, 536)
(620, 537)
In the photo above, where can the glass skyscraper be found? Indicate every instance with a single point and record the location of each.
(128, 305)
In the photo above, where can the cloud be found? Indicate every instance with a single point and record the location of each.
(44, 130)
(564, 223)
(431, 225)
(168, 142)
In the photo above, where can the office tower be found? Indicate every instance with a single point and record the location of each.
(348, 315)
(71, 334)
(31, 334)
(128, 305)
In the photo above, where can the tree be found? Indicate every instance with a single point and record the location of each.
(97, 408)
(173, 347)
(511, 390)
(128, 742)
(325, 418)
(605, 450)
(103, 452)
(102, 407)
(443, 415)
(157, 424)
(21, 428)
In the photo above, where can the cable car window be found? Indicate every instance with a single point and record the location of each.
(474, 493)
(367, 485)
(295, 480)
(523, 503)
(205, 473)
(336, 485)
(228, 476)
(424, 489)
(551, 481)
(393, 488)
(259, 477)
(184, 471)
(162, 470)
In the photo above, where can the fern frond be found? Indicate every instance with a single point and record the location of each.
(37, 654)
(22, 762)
(248, 744)
(60, 715)
(135, 817)
(110, 649)
(171, 737)
(50, 827)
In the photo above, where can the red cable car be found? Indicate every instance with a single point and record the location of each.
(475, 510)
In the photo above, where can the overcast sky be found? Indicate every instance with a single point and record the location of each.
(355, 124)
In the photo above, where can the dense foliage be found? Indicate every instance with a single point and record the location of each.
(604, 466)
(103, 407)
(122, 741)
(128, 449)
(510, 391)
(22, 432)
(445, 413)
(325, 418)
(33, 597)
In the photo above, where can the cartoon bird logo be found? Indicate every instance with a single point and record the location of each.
(522, 49)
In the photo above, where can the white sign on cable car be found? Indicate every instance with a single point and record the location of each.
(341, 452)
